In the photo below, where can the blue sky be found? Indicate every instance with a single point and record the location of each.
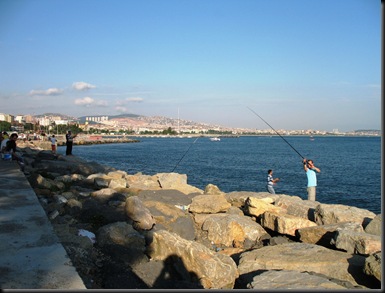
(300, 64)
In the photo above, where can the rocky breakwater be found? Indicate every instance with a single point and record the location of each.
(137, 231)
(45, 144)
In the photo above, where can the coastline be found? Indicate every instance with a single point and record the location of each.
(45, 144)
(85, 195)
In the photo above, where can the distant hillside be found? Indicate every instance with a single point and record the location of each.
(125, 116)
(83, 118)
(63, 116)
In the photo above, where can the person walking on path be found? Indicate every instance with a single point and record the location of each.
(69, 142)
(271, 181)
(311, 170)
(53, 143)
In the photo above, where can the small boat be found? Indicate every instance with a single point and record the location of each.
(311, 137)
(215, 139)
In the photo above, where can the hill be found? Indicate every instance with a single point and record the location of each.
(82, 119)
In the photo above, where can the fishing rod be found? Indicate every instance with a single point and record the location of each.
(276, 132)
(184, 154)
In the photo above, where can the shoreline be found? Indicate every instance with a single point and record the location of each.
(85, 196)
(46, 144)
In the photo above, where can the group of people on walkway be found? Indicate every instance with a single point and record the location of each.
(8, 149)
(310, 170)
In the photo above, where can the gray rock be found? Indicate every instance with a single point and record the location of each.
(139, 214)
(233, 230)
(324, 234)
(209, 203)
(356, 242)
(120, 233)
(195, 261)
(337, 213)
(303, 257)
(171, 218)
(373, 265)
(374, 226)
(293, 280)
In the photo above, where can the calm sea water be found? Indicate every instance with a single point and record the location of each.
(350, 166)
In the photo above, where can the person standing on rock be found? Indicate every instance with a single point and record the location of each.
(311, 170)
(271, 181)
(53, 143)
(69, 142)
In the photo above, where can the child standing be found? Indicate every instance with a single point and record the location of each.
(53, 143)
(271, 181)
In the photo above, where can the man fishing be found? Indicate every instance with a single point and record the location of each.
(311, 170)
(69, 142)
(308, 165)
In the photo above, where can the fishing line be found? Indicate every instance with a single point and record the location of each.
(184, 154)
(276, 132)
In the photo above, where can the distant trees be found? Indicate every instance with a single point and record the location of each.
(169, 131)
(5, 126)
(217, 132)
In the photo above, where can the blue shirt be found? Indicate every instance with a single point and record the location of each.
(311, 178)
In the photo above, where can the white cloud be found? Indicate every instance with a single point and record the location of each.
(135, 99)
(89, 102)
(121, 109)
(82, 86)
(48, 92)
(86, 101)
(101, 103)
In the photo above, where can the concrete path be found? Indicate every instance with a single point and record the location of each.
(31, 256)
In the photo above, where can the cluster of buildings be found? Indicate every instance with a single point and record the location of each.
(18, 121)
(143, 124)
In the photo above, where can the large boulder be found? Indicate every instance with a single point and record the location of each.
(141, 181)
(106, 194)
(139, 214)
(234, 231)
(303, 257)
(176, 181)
(167, 196)
(171, 218)
(292, 280)
(295, 206)
(324, 234)
(120, 233)
(357, 242)
(284, 223)
(212, 189)
(209, 204)
(238, 198)
(373, 265)
(69, 165)
(336, 213)
(256, 207)
(193, 260)
(374, 226)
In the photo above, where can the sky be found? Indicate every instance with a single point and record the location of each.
(299, 64)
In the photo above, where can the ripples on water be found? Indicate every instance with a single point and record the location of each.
(350, 166)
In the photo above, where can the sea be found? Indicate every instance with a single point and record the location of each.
(350, 165)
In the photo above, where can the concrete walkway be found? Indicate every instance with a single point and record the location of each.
(31, 256)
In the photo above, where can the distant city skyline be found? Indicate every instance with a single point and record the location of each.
(299, 64)
(132, 121)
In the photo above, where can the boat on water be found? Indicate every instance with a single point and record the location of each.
(215, 139)
(311, 137)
